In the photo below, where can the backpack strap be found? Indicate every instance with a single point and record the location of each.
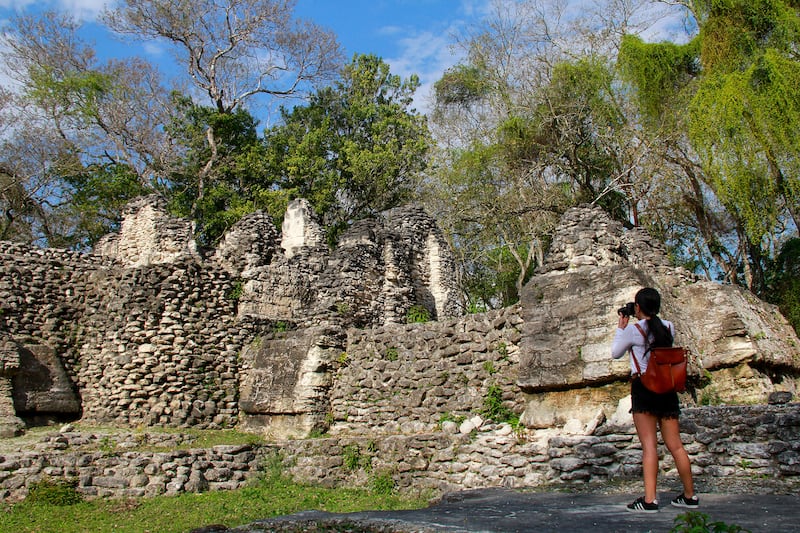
(647, 348)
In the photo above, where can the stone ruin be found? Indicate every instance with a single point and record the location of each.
(275, 333)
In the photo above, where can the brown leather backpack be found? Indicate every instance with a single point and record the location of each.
(666, 369)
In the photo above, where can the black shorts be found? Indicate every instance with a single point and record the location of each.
(659, 405)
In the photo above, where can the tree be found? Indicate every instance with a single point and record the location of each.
(356, 149)
(91, 135)
(70, 115)
(234, 49)
(230, 168)
(531, 123)
(738, 82)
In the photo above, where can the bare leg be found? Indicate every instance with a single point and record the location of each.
(646, 427)
(671, 433)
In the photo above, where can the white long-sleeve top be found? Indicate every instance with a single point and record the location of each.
(631, 341)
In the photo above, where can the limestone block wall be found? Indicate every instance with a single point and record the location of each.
(148, 235)
(741, 348)
(379, 269)
(160, 346)
(139, 345)
(44, 292)
(722, 442)
(408, 378)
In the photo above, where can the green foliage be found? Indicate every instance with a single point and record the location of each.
(392, 354)
(575, 129)
(356, 149)
(783, 282)
(383, 483)
(418, 314)
(495, 409)
(236, 290)
(461, 85)
(79, 92)
(281, 326)
(353, 459)
(502, 349)
(222, 177)
(491, 281)
(731, 92)
(709, 396)
(107, 445)
(695, 522)
(54, 492)
(273, 466)
(449, 417)
(98, 193)
(658, 71)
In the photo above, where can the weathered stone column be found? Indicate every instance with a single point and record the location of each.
(10, 424)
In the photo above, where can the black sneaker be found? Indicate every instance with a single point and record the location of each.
(683, 501)
(641, 506)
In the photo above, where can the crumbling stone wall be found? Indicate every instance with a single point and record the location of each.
(742, 349)
(150, 331)
(379, 269)
(148, 235)
(409, 378)
(722, 442)
(161, 347)
(154, 344)
(282, 336)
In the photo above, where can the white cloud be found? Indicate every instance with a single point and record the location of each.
(16, 5)
(427, 54)
(80, 9)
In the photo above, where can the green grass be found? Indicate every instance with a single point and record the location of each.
(271, 497)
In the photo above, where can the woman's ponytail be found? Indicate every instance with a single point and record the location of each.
(650, 303)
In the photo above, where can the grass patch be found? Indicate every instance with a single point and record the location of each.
(272, 496)
(111, 437)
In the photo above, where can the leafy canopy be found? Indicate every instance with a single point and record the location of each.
(356, 149)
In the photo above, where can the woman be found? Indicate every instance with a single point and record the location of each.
(650, 409)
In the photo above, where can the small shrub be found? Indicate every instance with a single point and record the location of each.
(236, 290)
(391, 354)
(280, 327)
(383, 483)
(317, 433)
(494, 408)
(694, 522)
(488, 366)
(502, 349)
(351, 456)
(54, 492)
(107, 445)
(449, 417)
(418, 314)
(709, 396)
(273, 466)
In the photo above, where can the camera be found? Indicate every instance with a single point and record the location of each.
(628, 310)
